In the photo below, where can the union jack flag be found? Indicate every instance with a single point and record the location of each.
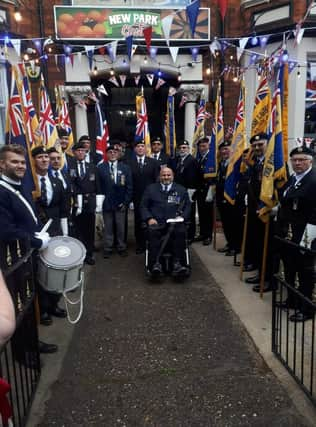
(142, 128)
(64, 121)
(47, 123)
(15, 129)
(262, 91)
(102, 133)
(31, 120)
(202, 114)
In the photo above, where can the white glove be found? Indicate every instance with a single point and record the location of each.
(64, 226)
(246, 200)
(191, 192)
(79, 204)
(99, 199)
(131, 206)
(44, 237)
(209, 197)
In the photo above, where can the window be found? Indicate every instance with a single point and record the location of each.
(310, 101)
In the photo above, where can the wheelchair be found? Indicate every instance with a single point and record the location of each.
(165, 258)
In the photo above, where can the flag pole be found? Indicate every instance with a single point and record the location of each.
(214, 225)
(243, 245)
(264, 257)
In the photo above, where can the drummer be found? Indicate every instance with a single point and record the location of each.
(17, 212)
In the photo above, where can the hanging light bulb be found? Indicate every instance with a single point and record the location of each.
(254, 40)
(145, 60)
(26, 57)
(235, 79)
(112, 72)
(231, 57)
(95, 71)
(159, 73)
(179, 77)
(208, 71)
(17, 15)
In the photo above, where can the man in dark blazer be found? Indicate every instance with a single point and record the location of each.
(51, 204)
(85, 186)
(162, 201)
(156, 152)
(297, 209)
(116, 186)
(60, 173)
(145, 171)
(18, 216)
(186, 174)
(203, 194)
(91, 156)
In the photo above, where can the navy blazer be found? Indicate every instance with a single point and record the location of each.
(143, 177)
(88, 186)
(162, 206)
(16, 220)
(117, 193)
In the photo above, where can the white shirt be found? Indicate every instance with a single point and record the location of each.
(166, 187)
(87, 158)
(49, 187)
(114, 164)
(78, 167)
(156, 156)
(141, 160)
(10, 180)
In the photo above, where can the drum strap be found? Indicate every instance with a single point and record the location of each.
(23, 200)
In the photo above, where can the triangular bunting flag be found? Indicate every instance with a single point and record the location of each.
(101, 89)
(114, 81)
(17, 46)
(174, 52)
(242, 45)
(72, 57)
(147, 36)
(134, 47)
(298, 36)
(102, 50)
(150, 78)
(112, 48)
(166, 23)
(222, 4)
(136, 78)
(192, 13)
(79, 56)
(129, 44)
(123, 79)
(89, 52)
(160, 83)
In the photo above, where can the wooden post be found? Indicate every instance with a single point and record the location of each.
(243, 245)
(264, 257)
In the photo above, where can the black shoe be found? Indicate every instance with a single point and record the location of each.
(224, 249)
(178, 269)
(156, 270)
(206, 242)
(107, 254)
(58, 312)
(89, 260)
(253, 279)
(123, 253)
(301, 317)
(47, 348)
(249, 267)
(140, 250)
(46, 319)
(266, 288)
(230, 252)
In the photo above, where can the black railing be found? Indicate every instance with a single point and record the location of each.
(293, 342)
(19, 357)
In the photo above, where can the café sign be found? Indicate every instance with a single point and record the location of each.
(105, 23)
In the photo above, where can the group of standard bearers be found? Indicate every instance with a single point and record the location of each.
(73, 188)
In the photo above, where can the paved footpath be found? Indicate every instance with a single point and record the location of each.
(162, 356)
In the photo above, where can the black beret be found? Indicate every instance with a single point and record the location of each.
(141, 141)
(52, 150)
(78, 145)
(111, 147)
(184, 142)
(84, 138)
(62, 132)
(114, 142)
(203, 141)
(258, 137)
(156, 139)
(224, 144)
(38, 150)
(301, 150)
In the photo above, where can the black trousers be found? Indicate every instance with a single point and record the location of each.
(138, 226)
(176, 241)
(206, 214)
(85, 229)
(229, 218)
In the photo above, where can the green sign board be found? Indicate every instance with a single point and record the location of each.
(101, 23)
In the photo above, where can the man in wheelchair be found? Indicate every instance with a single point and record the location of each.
(165, 208)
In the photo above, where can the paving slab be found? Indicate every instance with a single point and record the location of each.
(162, 355)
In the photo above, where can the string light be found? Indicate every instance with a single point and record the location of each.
(179, 77)
(298, 72)
(17, 15)
(95, 70)
(145, 60)
(208, 71)
(112, 72)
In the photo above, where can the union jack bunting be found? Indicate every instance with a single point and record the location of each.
(142, 128)
(47, 121)
(102, 133)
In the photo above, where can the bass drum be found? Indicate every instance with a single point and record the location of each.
(60, 264)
